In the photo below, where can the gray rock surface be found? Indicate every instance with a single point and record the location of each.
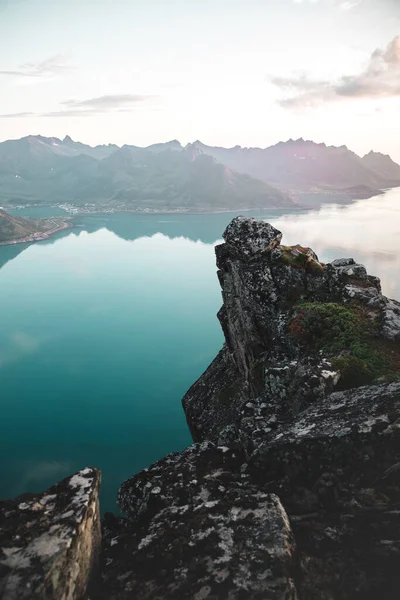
(250, 237)
(193, 475)
(391, 320)
(223, 382)
(341, 432)
(337, 474)
(198, 529)
(50, 542)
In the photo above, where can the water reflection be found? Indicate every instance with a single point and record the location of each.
(8, 253)
(368, 230)
(205, 228)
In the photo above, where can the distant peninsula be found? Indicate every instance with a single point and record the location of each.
(170, 178)
(15, 230)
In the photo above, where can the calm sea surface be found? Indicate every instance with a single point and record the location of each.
(105, 327)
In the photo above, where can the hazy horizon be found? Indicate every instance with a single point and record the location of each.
(224, 72)
(111, 143)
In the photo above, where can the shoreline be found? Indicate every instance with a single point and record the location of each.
(164, 212)
(106, 211)
(37, 237)
(345, 200)
(41, 236)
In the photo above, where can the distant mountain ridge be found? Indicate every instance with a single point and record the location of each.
(41, 146)
(305, 164)
(197, 177)
(383, 165)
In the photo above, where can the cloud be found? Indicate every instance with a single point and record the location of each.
(47, 69)
(91, 107)
(25, 342)
(349, 4)
(343, 4)
(20, 345)
(379, 79)
(65, 113)
(106, 103)
(20, 115)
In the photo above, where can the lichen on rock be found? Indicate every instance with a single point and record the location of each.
(198, 529)
(50, 542)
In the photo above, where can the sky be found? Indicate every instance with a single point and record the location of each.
(226, 72)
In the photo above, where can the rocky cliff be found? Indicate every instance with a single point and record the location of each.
(292, 487)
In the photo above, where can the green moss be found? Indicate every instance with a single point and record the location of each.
(353, 371)
(391, 377)
(296, 256)
(349, 338)
(315, 268)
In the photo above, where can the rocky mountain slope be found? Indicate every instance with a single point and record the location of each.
(20, 153)
(162, 177)
(383, 165)
(292, 487)
(19, 229)
(304, 165)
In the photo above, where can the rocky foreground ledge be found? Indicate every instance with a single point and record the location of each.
(292, 487)
(50, 542)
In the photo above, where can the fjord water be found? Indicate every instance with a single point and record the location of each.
(106, 326)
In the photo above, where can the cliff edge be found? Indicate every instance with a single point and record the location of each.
(295, 330)
(292, 488)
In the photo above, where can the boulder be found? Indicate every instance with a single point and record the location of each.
(249, 236)
(198, 529)
(50, 542)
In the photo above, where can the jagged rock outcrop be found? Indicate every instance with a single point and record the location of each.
(50, 542)
(198, 529)
(291, 490)
(301, 340)
(265, 286)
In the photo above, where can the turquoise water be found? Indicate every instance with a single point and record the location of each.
(106, 326)
(38, 212)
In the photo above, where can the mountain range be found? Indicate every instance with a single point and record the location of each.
(161, 177)
(305, 165)
(170, 177)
